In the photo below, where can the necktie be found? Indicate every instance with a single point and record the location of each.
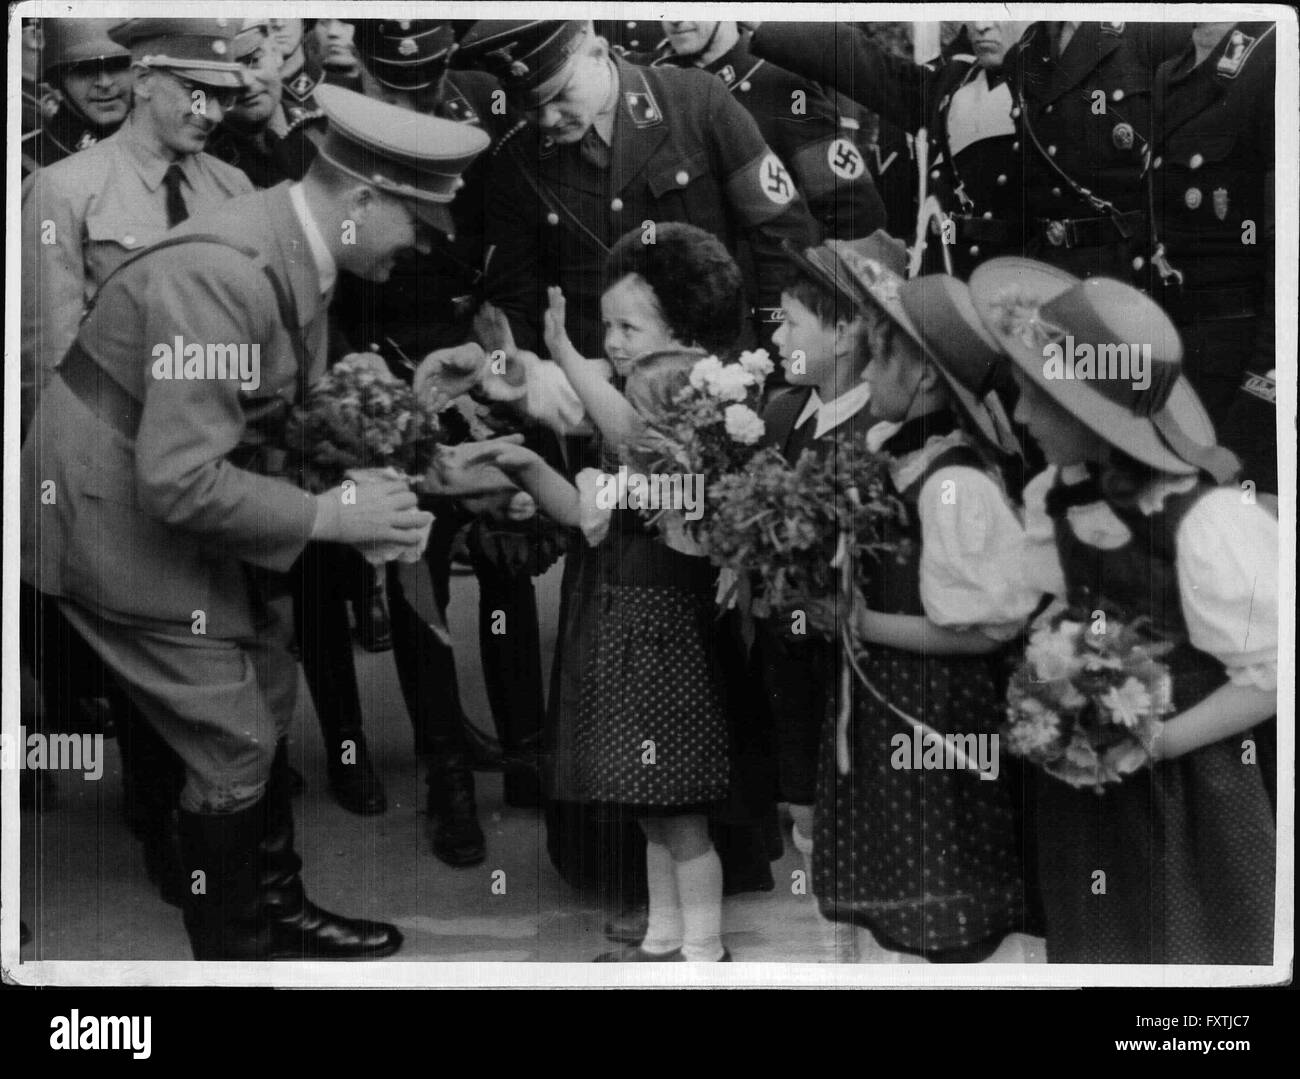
(593, 149)
(176, 211)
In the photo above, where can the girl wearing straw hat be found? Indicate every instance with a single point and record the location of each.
(1176, 863)
(923, 852)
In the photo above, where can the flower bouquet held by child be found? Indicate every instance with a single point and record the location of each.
(1086, 702)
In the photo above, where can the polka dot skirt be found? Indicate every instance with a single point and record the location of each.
(651, 728)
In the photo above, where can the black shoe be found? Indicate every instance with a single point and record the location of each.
(457, 838)
(253, 905)
(352, 777)
(634, 954)
(629, 927)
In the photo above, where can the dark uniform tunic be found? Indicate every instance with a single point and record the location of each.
(60, 136)
(978, 183)
(681, 150)
(1085, 120)
(1212, 192)
(816, 133)
(267, 157)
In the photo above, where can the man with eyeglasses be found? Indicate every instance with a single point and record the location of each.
(89, 82)
(85, 215)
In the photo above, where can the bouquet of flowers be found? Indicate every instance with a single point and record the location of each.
(712, 426)
(1083, 705)
(798, 528)
(360, 416)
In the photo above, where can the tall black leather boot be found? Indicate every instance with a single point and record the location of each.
(457, 837)
(325, 651)
(152, 777)
(249, 903)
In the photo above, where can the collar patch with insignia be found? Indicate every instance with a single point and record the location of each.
(1112, 28)
(301, 85)
(642, 107)
(728, 74)
(1240, 46)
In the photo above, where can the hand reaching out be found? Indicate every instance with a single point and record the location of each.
(505, 376)
(447, 373)
(507, 454)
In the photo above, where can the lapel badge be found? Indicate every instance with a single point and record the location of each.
(1056, 233)
(1234, 56)
(1192, 197)
(642, 108)
(728, 74)
(1220, 199)
(1122, 136)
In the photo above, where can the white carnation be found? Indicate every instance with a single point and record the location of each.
(757, 363)
(705, 373)
(732, 383)
(744, 425)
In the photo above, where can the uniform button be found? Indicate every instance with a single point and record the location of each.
(1051, 151)
(1118, 95)
(1056, 192)
(988, 215)
(1139, 262)
(975, 252)
(1002, 179)
(744, 86)
(129, 240)
(934, 174)
(616, 205)
(682, 177)
(1015, 147)
(1197, 161)
(1050, 108)
(631, 26)
(1157, 162)
(1015, 113)
(552, 218)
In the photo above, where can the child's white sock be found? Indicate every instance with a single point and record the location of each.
(664, 931)
(804, 845)
(699, 884)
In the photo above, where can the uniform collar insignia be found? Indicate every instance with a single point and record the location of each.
(1112, 28)
(642, 108)
(301, 85)
(728, 74)
(1240, 46)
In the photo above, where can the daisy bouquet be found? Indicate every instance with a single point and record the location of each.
(1086, 701)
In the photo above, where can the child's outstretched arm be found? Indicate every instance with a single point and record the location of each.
(608, 409)
(556, 496)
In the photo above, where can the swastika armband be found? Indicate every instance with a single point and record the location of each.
(828, 164)
(1262, 386)
(762, 189)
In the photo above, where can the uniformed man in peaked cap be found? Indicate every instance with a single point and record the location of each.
(610, 146)
(89, 76)
(815, 132)
(1212, 186)
(170, 516)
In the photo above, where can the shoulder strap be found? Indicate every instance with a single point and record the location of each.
(283, 297)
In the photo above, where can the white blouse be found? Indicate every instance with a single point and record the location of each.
(1227, 566)
(972, 547)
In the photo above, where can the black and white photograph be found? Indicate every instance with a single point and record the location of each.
(802, 501)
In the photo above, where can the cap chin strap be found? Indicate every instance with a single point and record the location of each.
(1218, 462)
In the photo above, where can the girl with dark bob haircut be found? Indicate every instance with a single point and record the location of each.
(694, 278)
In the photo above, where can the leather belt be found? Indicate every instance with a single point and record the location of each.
(1186, 306)
(1089, 231)
(981, 230)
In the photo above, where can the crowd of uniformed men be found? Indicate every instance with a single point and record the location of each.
(1138, 151)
